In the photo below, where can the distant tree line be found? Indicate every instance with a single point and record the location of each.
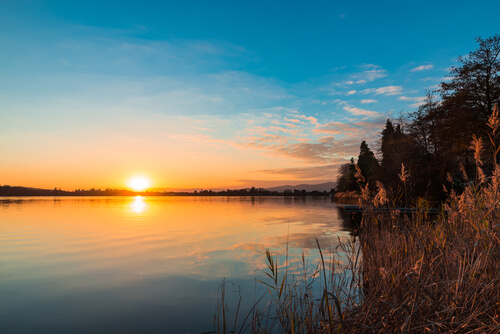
(434, 143)
(263, 192)
(25, 191)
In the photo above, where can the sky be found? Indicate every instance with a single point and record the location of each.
(215, 94)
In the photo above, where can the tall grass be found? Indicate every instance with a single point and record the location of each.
(418, 274)
(309, 300)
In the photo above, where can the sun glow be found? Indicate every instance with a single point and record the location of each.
(139, 183)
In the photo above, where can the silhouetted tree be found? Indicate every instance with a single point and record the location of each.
(468, 100)
(345, 179)
(367, 163)
(423, 124)
(476, 83)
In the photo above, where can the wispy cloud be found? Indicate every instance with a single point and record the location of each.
(305, 139)
(355, 130)
(365, 101)
(321, 151)
(311, 119)
(361, 112)
(422, 68)
(371, 73)
(313, 172)
(351, 92)
(413, 98)
(387, 90)
(418, 99)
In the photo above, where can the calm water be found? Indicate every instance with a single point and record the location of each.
(143, 264)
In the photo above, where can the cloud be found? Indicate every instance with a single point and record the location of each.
(320, 151)
(217, 99)
(434, 87)
(418, 99)
(365, 101)
(422, 68)
(387, 90)
(371, 73)
(361, 112)
(311, 173)
(353, 132)
(370, 67)
(416, 105)
(414, 98)
(311, 119)
(313, 142)
(351, 92)
(430, 79)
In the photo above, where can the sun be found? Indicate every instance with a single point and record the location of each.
(139, 183)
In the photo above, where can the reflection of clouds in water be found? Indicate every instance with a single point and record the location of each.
(307, 240)
(287, 227)
(287, 249)
(250, 246)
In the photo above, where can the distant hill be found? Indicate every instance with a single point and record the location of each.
(307, 187)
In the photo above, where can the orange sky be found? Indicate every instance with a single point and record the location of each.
(109, 160)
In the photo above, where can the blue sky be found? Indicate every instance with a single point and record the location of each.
(230, 92)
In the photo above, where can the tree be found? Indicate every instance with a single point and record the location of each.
(468, 99)
(399, 145)
(368, 163)
(345, 179)
(386, 141)
(476, 83)
(423, 126)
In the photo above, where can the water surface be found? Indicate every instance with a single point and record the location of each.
(143, 264)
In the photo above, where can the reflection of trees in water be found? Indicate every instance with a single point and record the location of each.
(350, 220)
(22, 201)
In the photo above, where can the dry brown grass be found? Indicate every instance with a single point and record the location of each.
(441, 277)
(435, 274)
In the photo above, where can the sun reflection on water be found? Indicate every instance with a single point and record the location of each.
(138, 205)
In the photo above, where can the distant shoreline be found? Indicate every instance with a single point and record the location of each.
(17, 191)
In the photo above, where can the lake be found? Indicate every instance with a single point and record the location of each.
(145, 264)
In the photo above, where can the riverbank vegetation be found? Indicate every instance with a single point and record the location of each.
(420, 272)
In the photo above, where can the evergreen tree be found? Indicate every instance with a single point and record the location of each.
(368, 163)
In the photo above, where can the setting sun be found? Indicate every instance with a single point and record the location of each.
(139, 183)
